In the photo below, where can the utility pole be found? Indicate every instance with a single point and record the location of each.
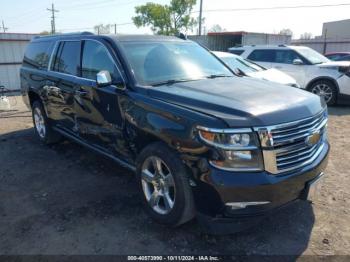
(3, 27)
(325, 42)
(53, 22)
(200, 18)
(115, 29)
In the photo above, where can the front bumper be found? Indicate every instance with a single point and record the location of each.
(216, 187)
(344, 89)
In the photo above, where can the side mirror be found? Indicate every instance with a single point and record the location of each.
(103, 78)
(298, 62)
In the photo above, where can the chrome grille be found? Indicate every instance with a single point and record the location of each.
(293, 145)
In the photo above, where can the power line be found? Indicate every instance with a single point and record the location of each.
(88, 28)
(98, 5)
(3, 27)
(53, 22)
(273, 8)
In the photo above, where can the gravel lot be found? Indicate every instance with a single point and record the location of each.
(64, 199)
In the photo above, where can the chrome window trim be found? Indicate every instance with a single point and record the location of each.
(109, 55)
(54, 50)
(79, 77)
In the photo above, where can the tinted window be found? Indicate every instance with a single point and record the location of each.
(344, 58)
(286, 56)
(95, 59)
(236, 52)
(333, 57)
(262, 55)
(156, 62)
(67, 58)
(37, 55)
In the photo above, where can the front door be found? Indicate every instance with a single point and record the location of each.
(98, 116)
(283, 60)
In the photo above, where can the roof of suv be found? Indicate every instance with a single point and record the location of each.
(118, 37)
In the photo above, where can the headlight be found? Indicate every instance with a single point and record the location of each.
(238, 149)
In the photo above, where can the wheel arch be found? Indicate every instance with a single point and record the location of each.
(320, 78)
(33, 96)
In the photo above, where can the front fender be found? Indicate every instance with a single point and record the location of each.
(162, 121)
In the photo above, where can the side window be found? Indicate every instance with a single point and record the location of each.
(37, 54)
(67, 58)
(286, 56)
(344, 58)
(263, 55)
(333, 57)
(95, 59)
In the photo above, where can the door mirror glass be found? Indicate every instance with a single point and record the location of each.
(103, 78)
(298, 62)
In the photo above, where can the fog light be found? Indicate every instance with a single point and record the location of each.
(241, 205)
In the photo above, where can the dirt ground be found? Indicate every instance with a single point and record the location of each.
(64, 199)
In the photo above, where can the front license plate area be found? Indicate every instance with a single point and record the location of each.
(314, 188)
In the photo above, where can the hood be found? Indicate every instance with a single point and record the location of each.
(242, 101)
(273, 75)
(335, 64)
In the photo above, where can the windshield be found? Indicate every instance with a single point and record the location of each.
(313, 56)
(157, 62)
(244, 65)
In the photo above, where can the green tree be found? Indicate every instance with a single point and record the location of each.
(166, 19)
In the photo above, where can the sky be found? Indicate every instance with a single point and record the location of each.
(29, 16)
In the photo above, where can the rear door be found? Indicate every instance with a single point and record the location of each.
(62, 83)
(99, 118)
(263, 57)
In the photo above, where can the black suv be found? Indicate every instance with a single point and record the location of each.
(201, 140)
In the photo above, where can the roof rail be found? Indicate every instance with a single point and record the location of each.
(66, 34)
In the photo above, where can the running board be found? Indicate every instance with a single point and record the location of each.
(97, 150)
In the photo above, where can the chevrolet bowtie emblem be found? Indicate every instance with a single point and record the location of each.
(313, 139)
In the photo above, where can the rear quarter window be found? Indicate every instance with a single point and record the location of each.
(37, 55)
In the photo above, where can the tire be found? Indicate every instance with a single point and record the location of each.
(176, 206)
(42, 125)
(325, 89)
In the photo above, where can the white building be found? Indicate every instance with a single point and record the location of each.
(335, 38)
(336, 29)
(12, 48)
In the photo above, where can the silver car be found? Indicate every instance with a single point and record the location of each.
(313, 71)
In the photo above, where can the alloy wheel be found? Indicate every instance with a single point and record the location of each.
(323, 90)
(158, 185)
(39, 122)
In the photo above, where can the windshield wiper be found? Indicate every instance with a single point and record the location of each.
(172, 81)
(217, 75)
